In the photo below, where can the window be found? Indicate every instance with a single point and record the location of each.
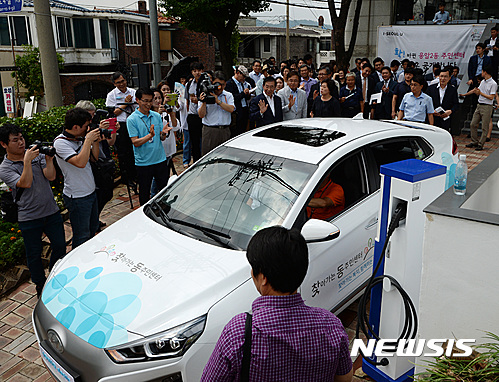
(104, 33)
(19, 30)
(310, 45)
(84, 33)
(165, 40)
(64, 32)
(132, 34)
(266, 44)
(397, 149)
(325, 43)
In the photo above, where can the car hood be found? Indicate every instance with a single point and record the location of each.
(138, 278)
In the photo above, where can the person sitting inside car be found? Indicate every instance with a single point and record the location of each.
(328, 201)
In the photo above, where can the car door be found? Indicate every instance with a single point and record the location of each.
(338, 269)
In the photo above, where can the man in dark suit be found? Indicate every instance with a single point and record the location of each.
(444, 95)
(366, 84)
(266, 108)
(475, 65)
(378, 65)
(240, 90)
(386, 87)
(492, 50)
(434, 74)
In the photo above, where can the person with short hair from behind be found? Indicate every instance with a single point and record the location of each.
(290, 340)
(27, 173)
(73, 148)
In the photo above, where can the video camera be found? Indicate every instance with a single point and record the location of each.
(44, 147)
(205, 86)
(96, 120)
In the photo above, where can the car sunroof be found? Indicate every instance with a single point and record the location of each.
(310, 136)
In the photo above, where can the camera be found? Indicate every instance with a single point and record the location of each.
(168, 108)
(44, 147)
(206, 87)
(105, 133)
(96, 120)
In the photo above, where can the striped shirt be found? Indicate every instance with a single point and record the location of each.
(290, 342)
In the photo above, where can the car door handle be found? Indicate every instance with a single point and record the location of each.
(372, 223)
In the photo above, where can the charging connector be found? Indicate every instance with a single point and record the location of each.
(411, 320)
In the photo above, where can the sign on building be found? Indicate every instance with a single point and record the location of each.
(8, 99)
(10, 5)
(428, 44)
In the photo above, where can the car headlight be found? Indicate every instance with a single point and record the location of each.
(168, 344)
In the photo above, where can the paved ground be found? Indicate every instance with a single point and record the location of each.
(19, 356)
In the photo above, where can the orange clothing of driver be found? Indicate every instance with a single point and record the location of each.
(332, 191)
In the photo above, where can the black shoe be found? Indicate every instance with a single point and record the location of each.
(468, 136)
(39, 289)
(470, 145)
(487, 140)
(101, 224)
(479, 148)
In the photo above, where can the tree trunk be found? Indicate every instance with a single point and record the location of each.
(226, 54)
(343, 54)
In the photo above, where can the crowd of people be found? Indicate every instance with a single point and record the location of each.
(143, 124)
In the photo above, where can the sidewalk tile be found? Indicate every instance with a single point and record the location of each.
(45, 377)
(23, 345)
(14, 369)
(30, 354)
(9, 308)
(13, 333)
(19, 340)
(12, 319)
(21, 297)
(23, 311)
(4, 341)
(33, 371)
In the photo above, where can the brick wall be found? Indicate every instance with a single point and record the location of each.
(195, 44)
(69, 83)
(143, 52)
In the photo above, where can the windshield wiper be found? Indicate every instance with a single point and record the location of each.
(156, 209)
(211, 233)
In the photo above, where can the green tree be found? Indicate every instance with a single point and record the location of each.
(29, 73)
(339, 21)
(218, 17)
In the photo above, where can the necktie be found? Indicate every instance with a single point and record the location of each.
(364, 88)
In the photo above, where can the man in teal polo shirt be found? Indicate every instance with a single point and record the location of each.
(146, 131)
(416, 106)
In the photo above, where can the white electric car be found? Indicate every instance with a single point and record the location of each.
(147, 298)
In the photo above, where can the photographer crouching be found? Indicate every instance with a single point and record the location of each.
(73, 149)
(103, 167)
(27, 173)
(215, 107)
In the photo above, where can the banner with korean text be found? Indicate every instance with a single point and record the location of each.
(428, 44)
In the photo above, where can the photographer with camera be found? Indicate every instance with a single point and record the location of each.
(194, 123)
(27, 173)
(74, 148)
(216, 113)
(103, 167)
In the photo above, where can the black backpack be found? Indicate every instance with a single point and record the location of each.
(8, 206)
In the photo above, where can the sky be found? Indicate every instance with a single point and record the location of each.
(277, 11)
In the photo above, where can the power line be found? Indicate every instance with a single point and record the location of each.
(297, 5)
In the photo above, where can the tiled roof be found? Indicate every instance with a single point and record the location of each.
(71, 7)
(277, 31)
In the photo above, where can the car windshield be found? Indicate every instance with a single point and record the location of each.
(232, 193)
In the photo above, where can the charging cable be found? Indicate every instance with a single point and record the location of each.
(411, 320)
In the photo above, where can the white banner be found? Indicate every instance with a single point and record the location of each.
(428, 44)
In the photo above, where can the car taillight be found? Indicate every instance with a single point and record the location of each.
(454, 147)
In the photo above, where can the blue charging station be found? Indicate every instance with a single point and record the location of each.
(416, 183)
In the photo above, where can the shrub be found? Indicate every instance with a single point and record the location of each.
(11, 245)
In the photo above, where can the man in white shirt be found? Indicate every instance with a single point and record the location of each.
(256, 74)
(486, 93)
(216, 116)
(115, 99)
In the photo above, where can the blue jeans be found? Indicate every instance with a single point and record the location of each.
(32, 234)
(84, 217)
(186, 152)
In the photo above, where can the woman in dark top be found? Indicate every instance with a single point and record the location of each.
(351, 98)
(326, 105)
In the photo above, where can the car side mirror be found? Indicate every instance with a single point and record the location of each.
(172, 179)
(316, 231)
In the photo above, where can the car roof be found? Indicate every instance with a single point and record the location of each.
(267, 140)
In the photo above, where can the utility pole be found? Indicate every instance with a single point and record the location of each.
(48, 55)
(288, 53)
(156, 60)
